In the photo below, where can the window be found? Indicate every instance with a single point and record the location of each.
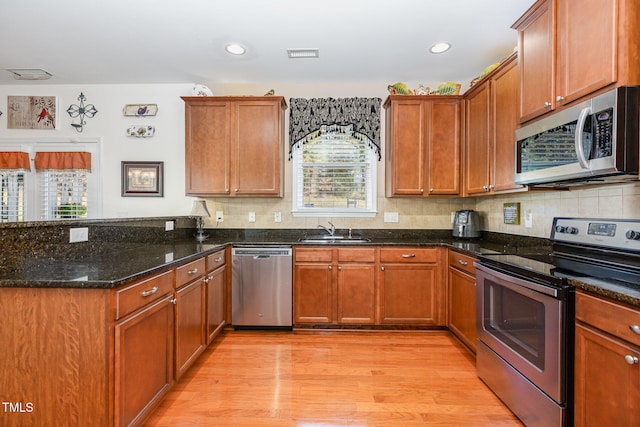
(334, 145)
(59, 180)
(12, 201)
(334, 175)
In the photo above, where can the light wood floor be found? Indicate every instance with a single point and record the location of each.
(370, 378)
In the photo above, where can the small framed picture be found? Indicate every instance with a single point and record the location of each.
(142, 179)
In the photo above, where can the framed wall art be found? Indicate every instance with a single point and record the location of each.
(142, 179)
(31, 112)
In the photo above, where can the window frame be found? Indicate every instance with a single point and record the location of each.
(32, 191)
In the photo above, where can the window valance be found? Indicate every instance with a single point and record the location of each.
(14, 160)
(77, 160)
(309, 118)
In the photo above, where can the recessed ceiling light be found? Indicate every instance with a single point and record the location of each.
(30, 73)
(440, 47)
(235, 49)
(303, 53)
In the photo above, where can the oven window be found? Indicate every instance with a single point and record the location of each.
(516, 320)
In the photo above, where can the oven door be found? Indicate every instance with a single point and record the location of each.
(522, 322)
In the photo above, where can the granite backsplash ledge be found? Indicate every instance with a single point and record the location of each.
(50, 239)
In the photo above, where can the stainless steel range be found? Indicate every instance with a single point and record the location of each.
(525, 312)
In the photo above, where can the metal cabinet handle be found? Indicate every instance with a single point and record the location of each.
(547, 104)
(382, 267)
(149, 292)
(422, 190)
(218, 259)
(226, 190)
(330, 267)
(236, 190)
(631, 360)
(339, 267)
(461, 262)
(173, 301)
(408, 255)
(192, 272)
(431, 190)
(559, 98)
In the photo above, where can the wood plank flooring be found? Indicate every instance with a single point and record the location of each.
(312, 378)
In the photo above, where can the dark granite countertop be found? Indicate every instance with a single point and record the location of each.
(125, 262)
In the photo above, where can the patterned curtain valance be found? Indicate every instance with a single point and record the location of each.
(310, 117)
(65, 160)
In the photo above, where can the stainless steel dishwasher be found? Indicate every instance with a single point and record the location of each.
(262, 287)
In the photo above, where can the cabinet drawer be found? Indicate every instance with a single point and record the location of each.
(215, 260)
(189, 272)
(462, 262)
(313, 254)
(133, 297)
(610, 317)
(356, 255)
(409, 254)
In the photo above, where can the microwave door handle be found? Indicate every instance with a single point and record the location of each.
(582, 118)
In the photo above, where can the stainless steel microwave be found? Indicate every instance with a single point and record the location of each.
(595, 141)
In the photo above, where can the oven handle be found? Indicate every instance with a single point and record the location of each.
(507, 279)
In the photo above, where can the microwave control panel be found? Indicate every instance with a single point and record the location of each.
(602, 133)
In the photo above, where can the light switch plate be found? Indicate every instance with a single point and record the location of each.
(168, 226)
(219, 216)
(277, 217)
(391, 217)
(252, 217)
(78, 235)
(528, 219)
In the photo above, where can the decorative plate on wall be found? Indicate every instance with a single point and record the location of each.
(141, 131)
(140, 110)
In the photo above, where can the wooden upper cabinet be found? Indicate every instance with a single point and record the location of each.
(491, 116)
(570, 49)
(422, 145)
(234, 146)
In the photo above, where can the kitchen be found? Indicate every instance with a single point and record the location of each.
(617, 201)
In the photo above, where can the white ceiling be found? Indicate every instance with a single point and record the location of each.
(182, 41)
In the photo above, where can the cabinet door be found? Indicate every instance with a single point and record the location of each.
(536, 53)
(462, 306)
(504, 120)
(477, 147)
(356, 294)
(409, 294)
(607, 388)
(215, 302)
(207, 137)
(587, 34)
(143, 361)
(313, 293)
(258, 148)
(189, 325)
(443, 157)
(405, 155)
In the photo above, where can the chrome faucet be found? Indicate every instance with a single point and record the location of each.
(331, 230)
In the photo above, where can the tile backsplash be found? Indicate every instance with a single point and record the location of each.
(611, 201)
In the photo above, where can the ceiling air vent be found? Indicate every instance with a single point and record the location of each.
(303, 53)
(29, 73)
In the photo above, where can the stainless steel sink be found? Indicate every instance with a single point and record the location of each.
(333, 240)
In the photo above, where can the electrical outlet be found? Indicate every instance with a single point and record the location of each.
(168, 226)
(528, 219)
(391, 217)
(78, 235)
(219, 216)
(252, 217)
(277, 217)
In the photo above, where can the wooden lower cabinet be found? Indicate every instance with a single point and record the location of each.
(313, 293)
(462, 298)
(189, 325)
(215, 302)
(607, 363)
(143, 361)
(356, 294)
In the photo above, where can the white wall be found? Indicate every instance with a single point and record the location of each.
(110, 124)
(168, 145)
